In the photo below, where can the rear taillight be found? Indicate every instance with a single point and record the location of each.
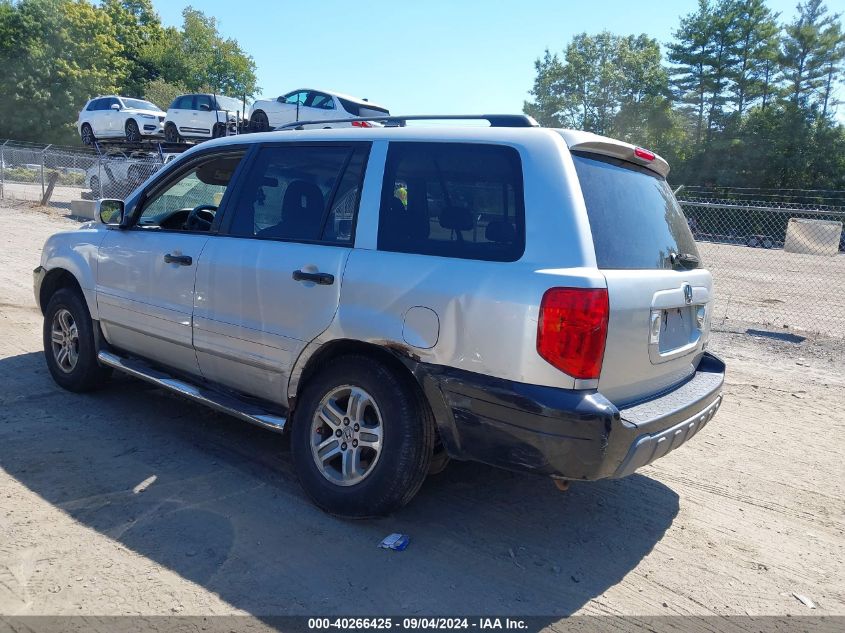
(361, 124)
(572, 329)
(645, 154)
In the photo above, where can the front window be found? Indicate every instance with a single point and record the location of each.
(294, 98)
(306, 193)
(190, 201)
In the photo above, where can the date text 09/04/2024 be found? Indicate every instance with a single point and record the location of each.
(416, 623)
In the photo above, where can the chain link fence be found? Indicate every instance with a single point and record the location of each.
(777, 256)
(55, 175)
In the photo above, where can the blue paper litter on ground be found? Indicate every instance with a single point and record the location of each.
(395, 541)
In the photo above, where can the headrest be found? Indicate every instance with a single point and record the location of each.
(302, 194)
(456, 219)
(501, 232)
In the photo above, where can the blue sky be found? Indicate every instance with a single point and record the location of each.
(431, 56)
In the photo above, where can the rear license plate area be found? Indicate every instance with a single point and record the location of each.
(676, 328)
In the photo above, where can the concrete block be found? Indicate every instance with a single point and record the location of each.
(83, 209)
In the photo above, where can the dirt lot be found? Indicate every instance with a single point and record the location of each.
(129, 501)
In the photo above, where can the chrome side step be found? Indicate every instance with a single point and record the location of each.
(215, 400)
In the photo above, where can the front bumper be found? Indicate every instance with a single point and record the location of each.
(151, 128)
(572, 434)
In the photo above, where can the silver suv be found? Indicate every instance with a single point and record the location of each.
(394, 297)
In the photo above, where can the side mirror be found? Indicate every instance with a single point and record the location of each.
(204, 107)
(115, 106)
(110, 211)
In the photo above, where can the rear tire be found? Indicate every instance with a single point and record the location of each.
(69, 343)
(334, 458)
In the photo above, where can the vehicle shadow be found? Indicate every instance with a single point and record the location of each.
(224, 510)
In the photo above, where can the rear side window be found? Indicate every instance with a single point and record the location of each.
(304, 193)
(453, 200)
(204, 103)
(185, 102)
(634, 217)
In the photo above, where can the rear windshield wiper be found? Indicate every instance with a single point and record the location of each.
(687, 260)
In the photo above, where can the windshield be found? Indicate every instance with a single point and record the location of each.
(140, 104)
(227, 103)
(634, 217)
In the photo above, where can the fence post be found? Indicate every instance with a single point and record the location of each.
(43, 158)
(3, 170)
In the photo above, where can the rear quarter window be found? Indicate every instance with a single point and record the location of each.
(635, 220)
(453, 200)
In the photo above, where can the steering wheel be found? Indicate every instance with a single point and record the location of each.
(201, 217)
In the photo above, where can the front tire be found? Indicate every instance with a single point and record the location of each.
(133, 133)
(171, 135)
(87, 134)
(362, 438)
(69, 343)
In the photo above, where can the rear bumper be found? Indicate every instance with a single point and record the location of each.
(573, 434)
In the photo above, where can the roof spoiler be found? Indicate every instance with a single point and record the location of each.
(588, 142)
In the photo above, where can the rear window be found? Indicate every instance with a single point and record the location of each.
(359, 109)
(453, 200)
(635, 220)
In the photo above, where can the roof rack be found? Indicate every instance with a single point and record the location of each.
(495, 120)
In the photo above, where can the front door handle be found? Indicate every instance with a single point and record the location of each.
(182, 260)
(323, 279)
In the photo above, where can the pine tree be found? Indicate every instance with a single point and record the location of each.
(691, 53)
(807, 51)
(755, 51)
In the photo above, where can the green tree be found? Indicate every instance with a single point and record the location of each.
(55, 55)
(138, 30)
(755, 51)
(201, 59)
(691, 52)
(834, 46)
(547, 103)
(162, 93)
(807, 52)
(602, 79)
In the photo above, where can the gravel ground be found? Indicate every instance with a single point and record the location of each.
(130, 501)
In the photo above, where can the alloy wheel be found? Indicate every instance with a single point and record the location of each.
(133, 134)
(64, 337)
(346, 435)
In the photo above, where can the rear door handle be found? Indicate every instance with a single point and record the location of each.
(182, 260)
(323, 279)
